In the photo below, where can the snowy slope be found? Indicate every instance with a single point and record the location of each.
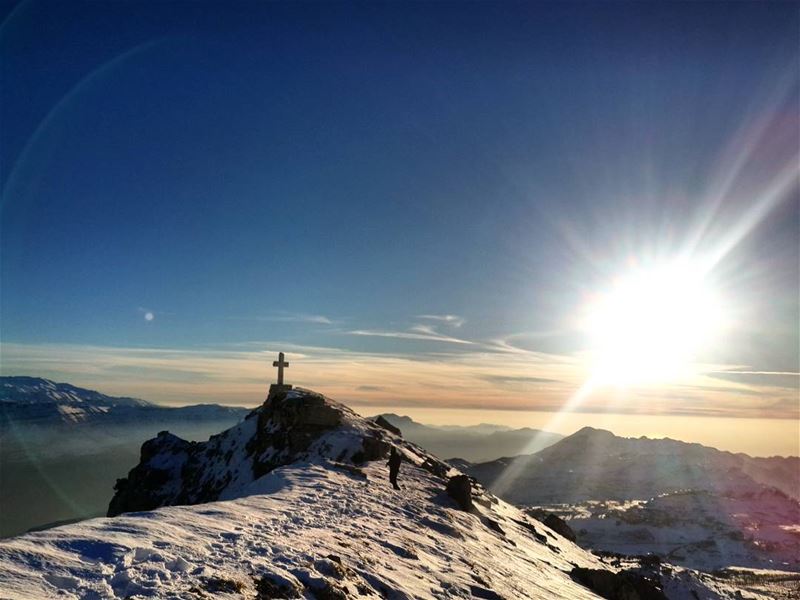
(697, 529)
(317, 531)
(414, 543)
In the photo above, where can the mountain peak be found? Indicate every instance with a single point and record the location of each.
(592, 431)
(291, 426)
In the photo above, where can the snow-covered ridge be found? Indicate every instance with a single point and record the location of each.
(41, 402)
(36, 390)
(310, 531)
(290, 426)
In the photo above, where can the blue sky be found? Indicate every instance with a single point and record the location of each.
(336, 175)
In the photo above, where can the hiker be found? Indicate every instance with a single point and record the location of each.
(394, 466)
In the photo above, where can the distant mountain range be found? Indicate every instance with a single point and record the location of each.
(594, 464)
(475, 443)
(62, 447)
(694, 505)
(38, 401)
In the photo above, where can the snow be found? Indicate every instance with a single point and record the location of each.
(413, 543)
(311, 526)
(35, 390)
(698, 529)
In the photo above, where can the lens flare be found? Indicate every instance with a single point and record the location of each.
(650, 326)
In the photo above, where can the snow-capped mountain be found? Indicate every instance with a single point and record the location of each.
(37, 401)
(35, 390)
(594, 464)
(691, 504)
(294, 502)
(476, 443)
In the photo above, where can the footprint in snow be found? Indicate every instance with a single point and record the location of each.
(62, 582)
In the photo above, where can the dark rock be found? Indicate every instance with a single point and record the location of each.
(372, 448)
(436, 467)
(625, 585)
(381, 422)
(269, 588)
(486, 594)
(560, 526)
(536, 535)
(332, 566)
(329, 591)
(459, 488)
(222, 585)
(493, 525)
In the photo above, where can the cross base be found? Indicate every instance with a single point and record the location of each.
(277, 388)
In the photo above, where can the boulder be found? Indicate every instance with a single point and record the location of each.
(560, 526)
(625, 585)
(382, 422)
(459, 488)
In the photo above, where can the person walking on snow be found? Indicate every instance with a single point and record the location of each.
(394, 466)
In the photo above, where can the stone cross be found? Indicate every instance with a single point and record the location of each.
(280, 363)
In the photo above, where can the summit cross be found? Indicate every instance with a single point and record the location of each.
(280, 363)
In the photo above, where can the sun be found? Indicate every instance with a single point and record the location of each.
(651, 324)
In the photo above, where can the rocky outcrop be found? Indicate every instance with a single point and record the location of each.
(382, 422)
(290, 426)
(459, 488)
(560, 526)
(625, 585)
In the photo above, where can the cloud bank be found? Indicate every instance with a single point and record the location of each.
(479, 377)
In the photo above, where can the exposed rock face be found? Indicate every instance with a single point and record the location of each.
(624, 585)
(459, 488)
(380, 420)
(291, 426)
(560, 526)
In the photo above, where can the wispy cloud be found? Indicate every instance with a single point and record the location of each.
(512, 379)
(417, 332)
(288, 318)
(743, 372)
(453, 320)
(781, 379)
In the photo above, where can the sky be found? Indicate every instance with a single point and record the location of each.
(419, 203)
